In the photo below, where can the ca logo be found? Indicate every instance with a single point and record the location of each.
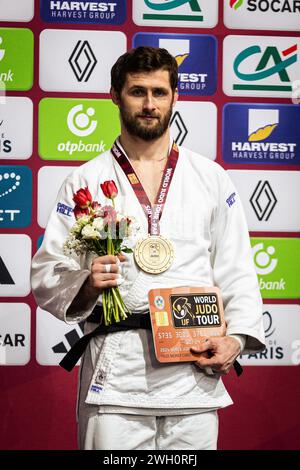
(79, 122)
(2, 51)
(262, 259)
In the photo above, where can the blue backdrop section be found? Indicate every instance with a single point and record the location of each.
(15, 196)
(261, 133)
(196, 55)
(87, 12)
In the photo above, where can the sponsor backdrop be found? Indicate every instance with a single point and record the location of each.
(239, 84)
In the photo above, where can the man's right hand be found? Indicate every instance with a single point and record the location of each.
(104, 273)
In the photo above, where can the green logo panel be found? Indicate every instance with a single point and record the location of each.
(16, 59)
(73, 129)
(277, 263)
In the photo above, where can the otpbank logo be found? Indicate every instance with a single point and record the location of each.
(196, 56)
(179, 13)
(83, 12)
(15, 196)
(14, 10)
(261, 133)
(16, 58)
(281, 15)
(260, 66)
(72, 129)
(277, 263)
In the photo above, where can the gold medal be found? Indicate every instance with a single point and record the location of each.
(154, 254)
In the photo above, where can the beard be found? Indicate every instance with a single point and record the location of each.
(139, 129)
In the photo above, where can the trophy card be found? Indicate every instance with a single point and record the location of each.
(182, 317)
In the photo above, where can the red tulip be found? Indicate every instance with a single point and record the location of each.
(109, 189)
(82, 198)
(79, 212)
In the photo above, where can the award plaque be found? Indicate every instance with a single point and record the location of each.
(154, 254)
(182, 318)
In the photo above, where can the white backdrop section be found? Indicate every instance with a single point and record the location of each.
(270, 199)
(233, 46)
(53, 338)
(14, 334)
(282, 15)
(50, 179)
(16, 124)
(282, 330)
(182, 16)
(78, 61)
(16, 10)
(15, 262)
(194, 126)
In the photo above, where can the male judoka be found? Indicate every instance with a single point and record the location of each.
(126, 398)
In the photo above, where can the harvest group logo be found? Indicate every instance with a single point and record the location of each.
(196, 56)
(263, 134)
(260, 66)
(82, 12)
(262, 14)
(180, 13)
(76, 129)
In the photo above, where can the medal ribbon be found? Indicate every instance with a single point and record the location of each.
(153, 213)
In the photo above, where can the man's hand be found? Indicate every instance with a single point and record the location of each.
(218, 353)
(104, 273)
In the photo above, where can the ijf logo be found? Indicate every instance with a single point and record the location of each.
(15, 196)
(196, 58)
(76, 129)
(264, 134)
(179, 13)
(262, 14)
(277, 263)
(81, 12)
(16, 58)
(260, 66)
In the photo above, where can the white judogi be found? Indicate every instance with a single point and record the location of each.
(203, 218)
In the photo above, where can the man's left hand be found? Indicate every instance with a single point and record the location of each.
(218, 353)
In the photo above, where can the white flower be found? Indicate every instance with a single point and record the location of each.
(89, 233)
(98, 224)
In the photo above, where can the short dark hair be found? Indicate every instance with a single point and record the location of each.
(143, 59)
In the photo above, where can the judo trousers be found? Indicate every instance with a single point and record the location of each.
(109, 431)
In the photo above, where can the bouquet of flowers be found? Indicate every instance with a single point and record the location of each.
(101, 230)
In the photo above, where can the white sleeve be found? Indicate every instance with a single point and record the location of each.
(55, 277)
(233, 268)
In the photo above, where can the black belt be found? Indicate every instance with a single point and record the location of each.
(133, 322)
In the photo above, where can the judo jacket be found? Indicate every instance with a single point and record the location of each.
(204, 219)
